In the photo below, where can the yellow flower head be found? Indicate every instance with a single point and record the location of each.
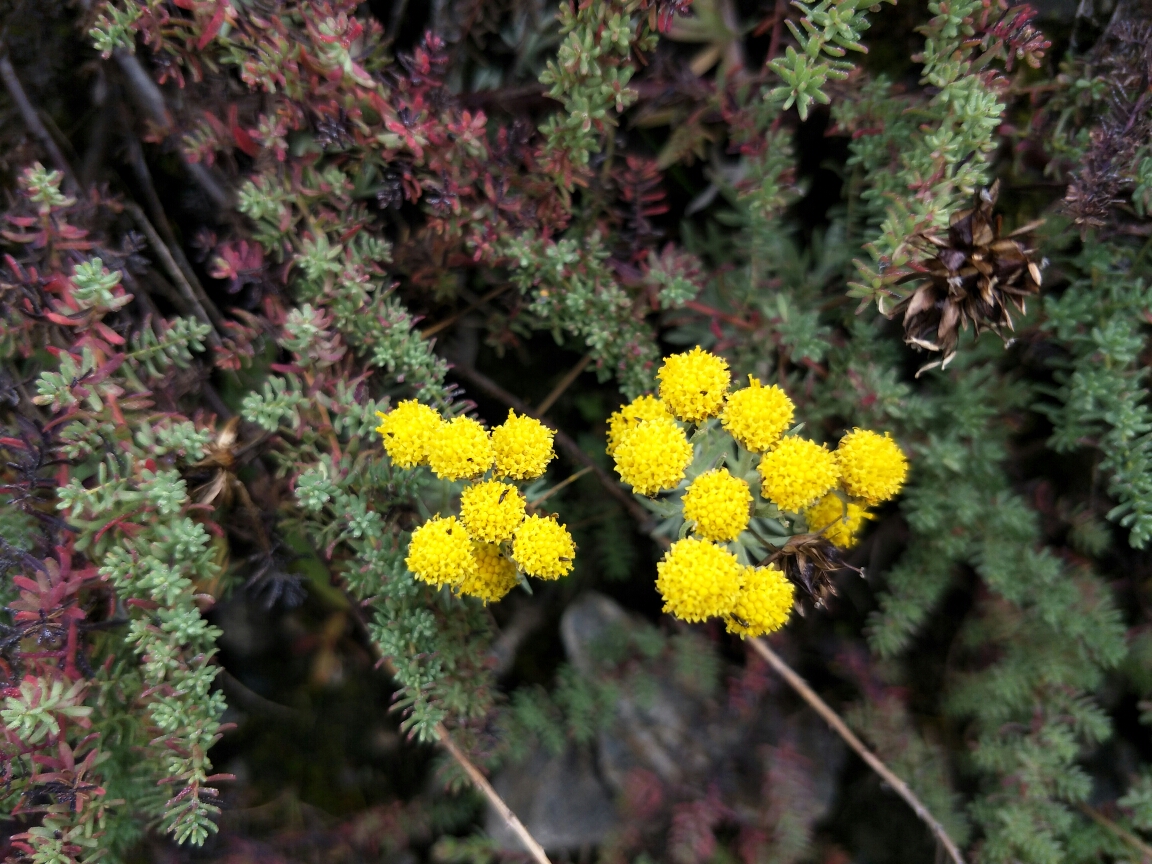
(757, 416)
(492, 510)
(764, 603)
(872, 467)
(440, 552)
(523, 447)
(460, 449)
(653, 456)
(840, 522)
(543, 548)
(698, 580)
(796, 473)
(494, 576)
(719, 504)
(646, 407)
(693, 384)
(406, 431)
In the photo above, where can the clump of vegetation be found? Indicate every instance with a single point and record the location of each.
(395, 395)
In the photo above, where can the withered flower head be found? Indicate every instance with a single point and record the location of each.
(809, 560)
(974, 278)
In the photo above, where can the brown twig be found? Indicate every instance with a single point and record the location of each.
(841, 728)
(1124, 834)
(149, 99)
(564, 384)
(32, 120)
(474, 774)
(481, 783)
(182, 284)
(160, 220)
(452, 319)
(571, 478)
(571, 448)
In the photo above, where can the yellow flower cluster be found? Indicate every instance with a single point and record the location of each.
(832, 490)
(796, 472)
(440, 552)
(653, 456)
(872, 468)
(700, 580)
(645, 407)
(543, 548)
(693, 384)
(523, 447)
(763, 604)
(461, 449)
(719, 504)
(493, 577)
(757, 416)
(492, 510)
(406, 431)
(839, 520)
(466, 553)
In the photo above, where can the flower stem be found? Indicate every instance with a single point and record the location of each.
(841, 728)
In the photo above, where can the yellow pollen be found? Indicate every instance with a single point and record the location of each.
(492, 510)
(653, 456)
(543, 548)
(872, 467)
(757, 416)
(440, 552)
(796, 473)
(764, 603)
(693, 384)
(460, 450)
(719, 504)
(698, 580)
(406, 431)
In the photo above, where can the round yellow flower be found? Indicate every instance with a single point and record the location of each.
(693, 384)
(719, 504)
(764, 603)
(757, 416)
(406, 431)
(440, 552)
(653, 456)
(492, 510)
(523, 447)
(494, 576)
(872, 467)
(839, 521)
(460, 449)
(543, 548)
(796, 473)
(698, 580)
(646, 407)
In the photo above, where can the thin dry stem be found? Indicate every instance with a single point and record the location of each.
(1127, 836)
(571, 478)
(32, 120)
(453, 318)
(564, 384)
(474, 773)
(197, 302)
(150, 100)
(481, 783)
(841, 728)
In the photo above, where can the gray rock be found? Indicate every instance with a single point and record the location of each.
(560, 799)
(660, 724)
